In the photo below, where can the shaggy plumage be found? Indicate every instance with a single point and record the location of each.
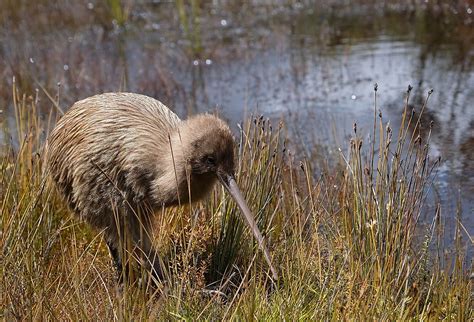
(117, 158)
(123, 156)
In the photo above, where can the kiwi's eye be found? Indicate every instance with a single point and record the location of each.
(210, 160)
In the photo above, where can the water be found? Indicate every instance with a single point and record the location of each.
(312, 65)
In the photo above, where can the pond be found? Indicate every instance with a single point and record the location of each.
(312, 65)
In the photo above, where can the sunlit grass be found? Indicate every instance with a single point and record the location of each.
(346, 244)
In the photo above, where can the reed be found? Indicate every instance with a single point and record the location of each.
(347, 244)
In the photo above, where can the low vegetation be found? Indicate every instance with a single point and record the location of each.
(347, 243)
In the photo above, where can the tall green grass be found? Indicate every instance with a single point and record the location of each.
(347, 244)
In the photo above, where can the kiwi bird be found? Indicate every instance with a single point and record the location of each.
(117, 158)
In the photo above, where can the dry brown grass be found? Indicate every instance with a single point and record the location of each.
(347, 244)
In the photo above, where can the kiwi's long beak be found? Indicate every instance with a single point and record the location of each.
(230, 185)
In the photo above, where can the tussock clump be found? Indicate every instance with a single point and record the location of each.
(347, 243)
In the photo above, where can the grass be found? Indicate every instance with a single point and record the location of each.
(347, 244)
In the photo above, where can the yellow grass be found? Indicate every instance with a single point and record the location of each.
(346, 244)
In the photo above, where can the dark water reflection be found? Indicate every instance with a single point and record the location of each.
(313, 65)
